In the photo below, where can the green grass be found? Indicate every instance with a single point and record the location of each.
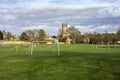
(76, 62)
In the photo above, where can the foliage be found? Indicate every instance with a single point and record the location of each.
(97, 38)
(42, 35)
(33, 35)
(74, 34)
(9, 35)
(1, 35)
(24, 37)
(118, 34)
(91, 38)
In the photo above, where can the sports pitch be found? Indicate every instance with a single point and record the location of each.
(75, 62)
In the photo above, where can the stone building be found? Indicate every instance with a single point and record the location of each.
(64, 30)
(7, 36)
(65, 36)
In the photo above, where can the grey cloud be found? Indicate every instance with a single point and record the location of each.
(54, 17)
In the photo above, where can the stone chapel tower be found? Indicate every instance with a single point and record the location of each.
(65, 35)
(64, 30)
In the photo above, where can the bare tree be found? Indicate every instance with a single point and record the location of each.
(74, 34)
(42, 35)
(118, 34)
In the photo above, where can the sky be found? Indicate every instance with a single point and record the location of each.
(88, 16)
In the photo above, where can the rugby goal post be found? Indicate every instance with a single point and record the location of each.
(34, 42)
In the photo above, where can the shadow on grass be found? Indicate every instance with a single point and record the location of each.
(70, 65)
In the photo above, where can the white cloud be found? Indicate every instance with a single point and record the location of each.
(50, 14)
(97, 28)
(9, 28)
(40, 4)
(7, 17)
(85, 29)
(48, 29)
(104, 27)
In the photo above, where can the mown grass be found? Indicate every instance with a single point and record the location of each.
(76, 62)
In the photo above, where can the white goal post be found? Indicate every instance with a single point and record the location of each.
(43, 42)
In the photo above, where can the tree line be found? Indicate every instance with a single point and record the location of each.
(33, 35)
(5, 35)
(28, 35)
(73, 33)
(92, 38)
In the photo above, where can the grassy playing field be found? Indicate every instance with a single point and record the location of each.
(76, 62)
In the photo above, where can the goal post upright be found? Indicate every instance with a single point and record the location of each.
(31, 48)
(58, 45)
(58, 48)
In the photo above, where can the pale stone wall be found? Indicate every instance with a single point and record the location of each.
(118, 42)
(15, 42)
(61, 42)
(49, 42)
(24, 42)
